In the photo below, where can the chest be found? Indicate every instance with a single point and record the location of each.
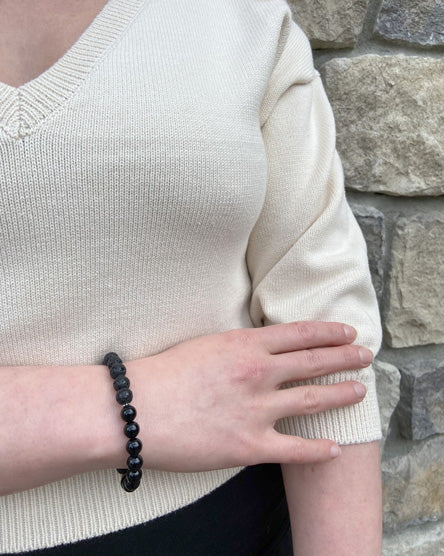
(150, 143)
(136, 137)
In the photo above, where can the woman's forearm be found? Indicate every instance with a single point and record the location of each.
(207, 403)
(336, 507)
(57, 422)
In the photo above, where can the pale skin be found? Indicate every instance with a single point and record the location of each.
(213, 382)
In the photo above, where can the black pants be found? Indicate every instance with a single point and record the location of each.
(246, 516)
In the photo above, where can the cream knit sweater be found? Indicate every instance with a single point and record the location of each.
(173, 174)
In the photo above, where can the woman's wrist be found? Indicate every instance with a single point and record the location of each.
(70, 424)
(111, 451)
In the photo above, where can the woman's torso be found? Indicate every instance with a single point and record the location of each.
(132, 172)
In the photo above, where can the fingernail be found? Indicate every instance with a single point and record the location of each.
(366, 356)
(335, 451)
(349, 332)
(360, 389)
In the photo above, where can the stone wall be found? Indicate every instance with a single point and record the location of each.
(382, 65)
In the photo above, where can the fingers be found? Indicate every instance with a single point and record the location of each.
(306, 400)
(281, 338)
(282, 448)
(310, 363)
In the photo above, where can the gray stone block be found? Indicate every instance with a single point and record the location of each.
(422, 540)
(329, 23)
(413, 485)
(387, 388)
(412, 22)
(371, 222)
(414, 313)
(389, 121)
(421, 408)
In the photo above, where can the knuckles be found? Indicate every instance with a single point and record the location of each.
(306, 331)
(248, 370)
(311, 400)
(239, 338)
(248, 362)
(313, 359)
(350, 355)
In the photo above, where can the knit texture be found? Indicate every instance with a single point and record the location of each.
(174, 174)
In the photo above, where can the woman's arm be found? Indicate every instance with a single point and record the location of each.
(207, 403)
(57, 422)
(336, 507)
(307, 260)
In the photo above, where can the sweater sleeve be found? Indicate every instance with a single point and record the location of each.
(306, 255)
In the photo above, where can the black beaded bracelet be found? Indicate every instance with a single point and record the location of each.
(133, 474)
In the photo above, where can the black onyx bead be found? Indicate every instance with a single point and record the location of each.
(131, 430)
(122, 471)
(124, 396)
(133, 477)
(127, 486)
(111, 358)
(117, 369)
(121, 382)
(134, 462)
(128, 413)
(134, 446)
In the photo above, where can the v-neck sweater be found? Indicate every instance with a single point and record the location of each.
(174, 174)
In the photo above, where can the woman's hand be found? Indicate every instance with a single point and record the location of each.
(212, 402)
(207, 403)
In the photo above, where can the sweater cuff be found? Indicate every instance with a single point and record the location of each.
(352, 424)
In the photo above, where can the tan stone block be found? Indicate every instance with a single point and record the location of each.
(389, 113)
(413, 485)
(329, 23)
(414, 314)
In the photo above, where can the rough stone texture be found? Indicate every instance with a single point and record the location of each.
(414, 313)
(390, 122)
(412, 21)
(413, 485)
(371, 222)
(424, 540)
(421, 408)
(387, 388)
(330, 23)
